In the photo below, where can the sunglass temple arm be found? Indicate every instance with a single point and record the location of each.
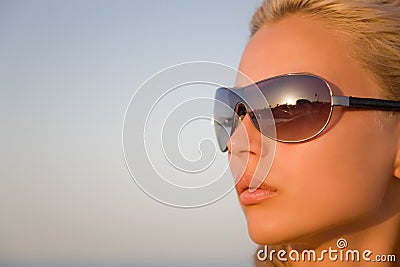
(369, 103)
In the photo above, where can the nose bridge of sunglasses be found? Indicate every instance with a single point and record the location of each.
(239, 113)
(260, 112)
(240, 110)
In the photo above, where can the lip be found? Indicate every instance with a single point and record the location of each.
(262, 193)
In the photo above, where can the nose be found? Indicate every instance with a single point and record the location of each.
(245, 139)
(250, 153)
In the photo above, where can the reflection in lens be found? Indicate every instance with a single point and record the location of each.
(223, 115)
(300, 104)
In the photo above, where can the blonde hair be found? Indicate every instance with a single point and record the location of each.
(374, 26)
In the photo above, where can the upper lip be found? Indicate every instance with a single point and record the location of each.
(244, 184)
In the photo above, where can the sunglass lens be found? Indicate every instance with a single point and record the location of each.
(300, 104)
(223, 116)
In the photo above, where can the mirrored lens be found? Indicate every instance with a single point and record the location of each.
(223, 116)
(300, 104)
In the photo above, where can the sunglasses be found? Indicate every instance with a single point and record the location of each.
(287, 108)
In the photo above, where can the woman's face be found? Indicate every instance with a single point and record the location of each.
(336, 183)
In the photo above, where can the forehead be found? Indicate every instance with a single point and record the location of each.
(298, 44)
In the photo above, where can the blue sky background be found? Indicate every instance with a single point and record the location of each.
(67, 72)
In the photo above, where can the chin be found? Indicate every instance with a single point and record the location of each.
(267, 230)
(266, 235)
(271, 226)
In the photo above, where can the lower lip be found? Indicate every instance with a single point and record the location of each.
(255, 197)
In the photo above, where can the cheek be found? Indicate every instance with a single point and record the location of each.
(347, 168)
(326, 183)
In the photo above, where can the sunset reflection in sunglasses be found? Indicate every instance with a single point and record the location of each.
(297, 108)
